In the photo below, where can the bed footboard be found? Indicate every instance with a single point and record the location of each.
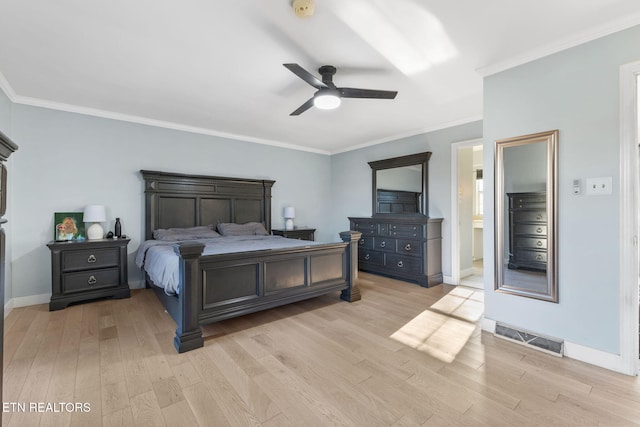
(219, 287)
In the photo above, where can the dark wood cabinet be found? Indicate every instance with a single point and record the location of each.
(528, 231)
(403, 247)
(87, 270)
(7, 147)
(296, 233)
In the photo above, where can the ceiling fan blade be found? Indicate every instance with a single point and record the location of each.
(306, 76)
(304, 107)
(349, 92)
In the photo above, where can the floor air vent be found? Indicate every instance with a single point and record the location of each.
(549, 345)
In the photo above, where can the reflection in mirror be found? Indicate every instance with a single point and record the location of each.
(399, 189)
(525, 172)
(399, 183)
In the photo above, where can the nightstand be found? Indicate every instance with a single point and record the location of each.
(88, 269)
(296, 233)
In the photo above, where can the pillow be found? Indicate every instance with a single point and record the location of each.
(188, 233)
(247, 229)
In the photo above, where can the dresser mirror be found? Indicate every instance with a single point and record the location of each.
(399, 185)
(525, 216)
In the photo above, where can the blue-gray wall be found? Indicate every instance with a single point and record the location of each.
(351, 177)
(68, 160)
(577, 92)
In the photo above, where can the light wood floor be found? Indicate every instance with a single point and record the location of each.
(316, 363)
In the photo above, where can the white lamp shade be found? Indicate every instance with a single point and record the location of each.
(289, 212)
(94, 213)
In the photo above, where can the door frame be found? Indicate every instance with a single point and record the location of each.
(629, 218)
(455, 228)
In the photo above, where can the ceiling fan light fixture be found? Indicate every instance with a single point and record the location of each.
(326, 101)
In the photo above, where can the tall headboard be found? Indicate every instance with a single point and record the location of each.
(181, 200)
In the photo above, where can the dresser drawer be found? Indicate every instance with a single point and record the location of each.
(384, 244)
(531, 243)
(364, 226)
(409, 247)
(371, 257)
(89, 258)
(530, 216)
(404, 264)
(365, 242)
(406, 230)
(529, 202)
(88, 280)
(532, 229)
(525, 256)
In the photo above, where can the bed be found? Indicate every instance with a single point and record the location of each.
(218, 286)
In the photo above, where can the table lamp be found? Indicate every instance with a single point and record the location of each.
(289, 214)
(95, 214)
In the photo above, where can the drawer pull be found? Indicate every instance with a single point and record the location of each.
(539, 216)
(383, 244)
(92, 258)
(92, 280)
(539, 243)
(539, 230)
(400, 264)
(362, 241)
(407, 247)
(367, 256)
(539, 257)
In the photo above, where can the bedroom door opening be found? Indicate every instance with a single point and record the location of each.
(467, 214)
(629, 293)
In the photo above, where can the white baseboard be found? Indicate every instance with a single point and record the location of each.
(45, 298)
(488, 325)
(593, 356)
(25, 301)
(589, 355)
(448, 280)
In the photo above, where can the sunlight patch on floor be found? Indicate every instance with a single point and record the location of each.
(443, 329)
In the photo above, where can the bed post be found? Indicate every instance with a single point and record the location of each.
(189, 334)
(352, 293)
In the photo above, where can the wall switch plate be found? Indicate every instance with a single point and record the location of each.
(599, 186)
(577, 187)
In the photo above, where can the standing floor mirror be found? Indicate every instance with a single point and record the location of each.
(526, 216)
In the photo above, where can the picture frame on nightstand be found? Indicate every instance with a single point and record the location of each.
(68, 226)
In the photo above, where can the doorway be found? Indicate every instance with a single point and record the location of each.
(629, 218)
(467, 210)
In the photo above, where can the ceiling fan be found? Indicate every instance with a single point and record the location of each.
(328, 95)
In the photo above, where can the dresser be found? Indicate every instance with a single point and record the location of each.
(528, 230)
(296, 233)
(86, 270)
(403, 247)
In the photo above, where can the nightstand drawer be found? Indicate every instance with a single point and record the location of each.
(89, 258)
(88, 280)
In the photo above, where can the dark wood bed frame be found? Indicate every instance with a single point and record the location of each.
(218, 287)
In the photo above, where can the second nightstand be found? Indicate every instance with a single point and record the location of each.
(296, 233)
(89, 269)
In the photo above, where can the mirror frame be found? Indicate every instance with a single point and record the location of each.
(421, 159)
(550, 138)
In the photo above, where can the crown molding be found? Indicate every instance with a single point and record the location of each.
(35, 102)
(6, 88)
(560, 45)
(395, 137)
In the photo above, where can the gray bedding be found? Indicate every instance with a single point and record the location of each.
(161, 263)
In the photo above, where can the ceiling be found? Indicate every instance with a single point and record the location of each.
(215, 67)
